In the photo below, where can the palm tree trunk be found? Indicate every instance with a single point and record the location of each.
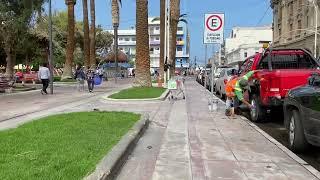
(93, 34)
(67, 70)
(175, 15)
(10, 59)
(86, 39)
(162, 38)
(115, 22)
(143, 77)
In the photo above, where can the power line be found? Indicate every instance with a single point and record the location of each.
(264, 15)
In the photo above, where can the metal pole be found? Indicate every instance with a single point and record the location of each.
(165, 42)
(205, 65)
(115, 29)
(168, 36)
(220, 54)
(316, 28)
(51, 67)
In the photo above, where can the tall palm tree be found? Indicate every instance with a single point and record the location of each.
(143, 77)
(115, 22)
(174, 20)
(162, 37)
(93, 33)
(67, 70)
(86, 38)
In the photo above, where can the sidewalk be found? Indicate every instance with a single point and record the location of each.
(199, 144)
(19, 104)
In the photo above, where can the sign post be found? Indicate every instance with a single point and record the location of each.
(213, 34)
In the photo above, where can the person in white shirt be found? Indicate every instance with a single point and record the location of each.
(44, 75)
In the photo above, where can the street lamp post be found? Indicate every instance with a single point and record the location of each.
(50, 48)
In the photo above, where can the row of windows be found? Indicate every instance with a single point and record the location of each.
(152, 39)
(158, 28)
(158, 49)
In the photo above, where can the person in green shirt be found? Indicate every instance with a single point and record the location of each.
(241, 86)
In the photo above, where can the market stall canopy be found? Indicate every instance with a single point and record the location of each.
(122, 57)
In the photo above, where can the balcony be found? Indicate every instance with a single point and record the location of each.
(180, 43)
(127, 43)
(154, 42)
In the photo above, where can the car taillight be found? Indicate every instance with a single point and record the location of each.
(225, 81)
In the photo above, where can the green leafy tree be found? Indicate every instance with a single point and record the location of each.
(15, 18)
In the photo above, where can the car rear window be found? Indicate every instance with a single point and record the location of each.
(288, 61)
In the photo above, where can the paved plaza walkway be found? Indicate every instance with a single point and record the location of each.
(195, 143)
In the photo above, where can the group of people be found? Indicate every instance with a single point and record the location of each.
(89, 75)
(235, 88)
(80, 75)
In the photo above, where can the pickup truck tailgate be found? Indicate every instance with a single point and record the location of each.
(280, 81)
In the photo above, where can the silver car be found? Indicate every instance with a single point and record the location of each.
(224, 76)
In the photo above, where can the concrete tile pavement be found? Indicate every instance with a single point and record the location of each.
(199, 144)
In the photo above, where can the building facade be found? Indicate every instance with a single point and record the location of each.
(245, 42)
(127, 43)
(294, 24)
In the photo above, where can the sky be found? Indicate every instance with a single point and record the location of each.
(237, 13)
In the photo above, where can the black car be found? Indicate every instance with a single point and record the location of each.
(302, 115)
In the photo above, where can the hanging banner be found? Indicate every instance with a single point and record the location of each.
(213, 28)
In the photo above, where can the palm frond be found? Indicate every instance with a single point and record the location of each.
(183, 20)
(155, 19)
(183, 15)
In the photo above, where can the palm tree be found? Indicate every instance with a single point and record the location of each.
(143, 77)
(162, 37)
(93, 34)
(67, 70)
(115, 22)
(86, 39)
(174, 20)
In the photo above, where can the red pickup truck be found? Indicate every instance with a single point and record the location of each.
(281, 70)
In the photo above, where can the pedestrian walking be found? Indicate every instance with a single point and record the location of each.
(44, 75)
(90, 79)
(234, 91)
(80, 77)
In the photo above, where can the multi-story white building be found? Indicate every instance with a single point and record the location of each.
(245, 42)
(127, 43)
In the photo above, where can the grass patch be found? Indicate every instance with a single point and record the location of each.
(139, 93)
(67, 146)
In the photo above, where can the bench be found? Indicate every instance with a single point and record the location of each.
(6, 84)
(30, 77)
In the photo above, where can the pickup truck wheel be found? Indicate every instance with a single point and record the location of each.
(297, 140)
(259, 113)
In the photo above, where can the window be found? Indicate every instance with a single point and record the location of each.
(157, 38)
(288, 61)
(157, 28)
(179, 48)
(307, 21)
(299, 27)
(290, 30)
(133, 39)
(180, 28)
(126, 39)
(179, 39)
(120, 39)
(245, 54)
(157, 49)
(151, 49)
(222, 73)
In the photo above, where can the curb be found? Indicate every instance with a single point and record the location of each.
(296, 158)
(161, 98)
(110, 165)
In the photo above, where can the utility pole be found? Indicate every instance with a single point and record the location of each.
(51, 67)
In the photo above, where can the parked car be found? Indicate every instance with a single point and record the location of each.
(302, 115)
(225, 75)
(280, 71)
(216, 75)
